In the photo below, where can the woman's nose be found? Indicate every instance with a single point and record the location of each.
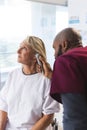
(19, 50)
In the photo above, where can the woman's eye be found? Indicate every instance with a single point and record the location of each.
(25, 48)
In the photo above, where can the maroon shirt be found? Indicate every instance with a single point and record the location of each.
(70, 73)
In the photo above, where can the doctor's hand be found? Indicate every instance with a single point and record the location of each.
(47, 71)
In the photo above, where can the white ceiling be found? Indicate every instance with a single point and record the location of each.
(59, 2)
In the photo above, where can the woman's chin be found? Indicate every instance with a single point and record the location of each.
(19, 61)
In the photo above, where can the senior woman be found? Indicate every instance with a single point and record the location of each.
(25, 103)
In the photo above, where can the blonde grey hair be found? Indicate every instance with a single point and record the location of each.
(37, 45)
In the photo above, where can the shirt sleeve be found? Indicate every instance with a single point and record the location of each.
(3, 95)
(49, 105)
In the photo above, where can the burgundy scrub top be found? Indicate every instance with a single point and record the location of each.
(70, 73)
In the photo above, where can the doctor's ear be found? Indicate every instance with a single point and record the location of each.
(64, 46)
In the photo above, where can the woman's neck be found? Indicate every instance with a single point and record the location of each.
(28, 70)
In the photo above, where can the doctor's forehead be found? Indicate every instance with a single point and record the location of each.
(55, 44)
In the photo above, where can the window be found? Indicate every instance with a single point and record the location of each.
(21, 18)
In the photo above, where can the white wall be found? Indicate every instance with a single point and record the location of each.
(78, 17)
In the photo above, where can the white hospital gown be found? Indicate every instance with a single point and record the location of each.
(25, 98)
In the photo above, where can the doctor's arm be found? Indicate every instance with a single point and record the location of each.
(3, 120)
(44, 122)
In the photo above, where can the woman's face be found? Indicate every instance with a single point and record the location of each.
(25, 54)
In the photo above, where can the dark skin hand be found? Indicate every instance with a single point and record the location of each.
(45, 68)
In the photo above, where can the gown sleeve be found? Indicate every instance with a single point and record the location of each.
(50, 106)
(3, 95)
